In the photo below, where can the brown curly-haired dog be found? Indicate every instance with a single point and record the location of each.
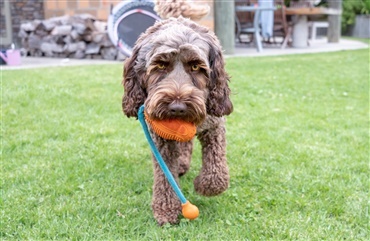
(177, 71)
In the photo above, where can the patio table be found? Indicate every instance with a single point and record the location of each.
(256, 22)
(300, 23)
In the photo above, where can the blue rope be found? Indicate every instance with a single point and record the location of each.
(159, 158)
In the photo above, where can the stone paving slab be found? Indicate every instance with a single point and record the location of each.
(315, 46)
(44, 62)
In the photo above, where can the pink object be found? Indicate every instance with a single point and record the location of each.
(12, 57)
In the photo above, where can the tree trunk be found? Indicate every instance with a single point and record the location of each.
(225, 24)
(334, 30)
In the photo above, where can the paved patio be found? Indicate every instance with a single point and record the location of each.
(315, 46)
(241, 50)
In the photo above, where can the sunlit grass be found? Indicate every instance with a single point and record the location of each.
(74, 168)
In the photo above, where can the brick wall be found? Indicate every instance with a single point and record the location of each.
(27, 10)
(23, 11)
(98, 8)
(208, 21)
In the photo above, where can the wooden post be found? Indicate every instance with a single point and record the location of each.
(334, 30)
(224, 16)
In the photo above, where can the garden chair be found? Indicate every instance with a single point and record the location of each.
(244, 22)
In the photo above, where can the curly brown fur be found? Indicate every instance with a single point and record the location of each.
(177, 8)
(177, 71)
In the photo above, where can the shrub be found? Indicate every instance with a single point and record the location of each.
(351, 8)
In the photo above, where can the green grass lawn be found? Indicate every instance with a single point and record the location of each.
(73, 167)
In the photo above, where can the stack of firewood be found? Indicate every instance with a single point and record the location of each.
(79, 36)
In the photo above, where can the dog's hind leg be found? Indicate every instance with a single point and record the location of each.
(214, 175)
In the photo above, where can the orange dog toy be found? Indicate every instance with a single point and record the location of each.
(189, 210)
(174, 129)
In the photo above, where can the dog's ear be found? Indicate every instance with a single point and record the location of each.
(134, 72)
(218, 102)
(134, 93)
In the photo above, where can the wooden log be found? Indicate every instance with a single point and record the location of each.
(22, 33)
(100, 26)
(61, 55)
(92, 48)
(106, 42)
(47, 49)
(86, 19)
(120, 56)
(59, 39)
(24, 43)
(79, 54)
(80, 28)
(90, 24)
(36, 53)
(87, 37)
(58, 48)
(62, 30)
(34, 41)
(109, 53)
(68, 39)
(41, 32)
(71, 47)
(96, 56)
(80, 36)
(97, 37)
(50, 39)
(28, 27)
(81, 46)
(74, 34)
(49, 24)
(60, 20)
(85, 16)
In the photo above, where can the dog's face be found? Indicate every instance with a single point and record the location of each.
(177, 70)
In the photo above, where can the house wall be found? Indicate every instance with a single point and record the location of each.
(20, 11)
(99, 8)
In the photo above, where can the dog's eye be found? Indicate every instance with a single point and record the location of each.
(195, 67)
(161, 66)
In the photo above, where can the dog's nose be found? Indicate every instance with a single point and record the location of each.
(177, 108)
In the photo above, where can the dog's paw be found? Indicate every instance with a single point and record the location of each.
(165, 220)
(163, 217)
(211, 184)
(167, 213)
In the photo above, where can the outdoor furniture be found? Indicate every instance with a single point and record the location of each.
(244, 20)
(315, 25)
(255, 29)
(300, 22)
(281, 26)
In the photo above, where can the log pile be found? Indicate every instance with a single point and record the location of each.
(79, 36)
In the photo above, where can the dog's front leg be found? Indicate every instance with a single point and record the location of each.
(214, 175)
(165, 204)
